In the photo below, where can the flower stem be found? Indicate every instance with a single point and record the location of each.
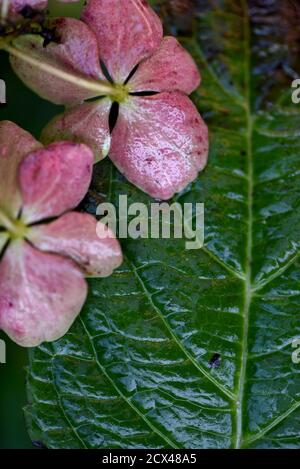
(4, 10)
(103, 88)
(5, 221)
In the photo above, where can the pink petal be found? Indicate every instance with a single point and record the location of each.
(76, 235)
(41, 294)
(160, 143)
(77, 54)
(87, 123)
(15, 144)
(170, 68)
(54, 180)
(128, 31)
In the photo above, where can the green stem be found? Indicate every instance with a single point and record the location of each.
(99, 87)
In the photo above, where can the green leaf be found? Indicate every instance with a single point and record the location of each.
(135, 370)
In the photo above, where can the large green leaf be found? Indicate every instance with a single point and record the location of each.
(135, 371)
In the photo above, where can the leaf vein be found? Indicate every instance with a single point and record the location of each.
(175, 338)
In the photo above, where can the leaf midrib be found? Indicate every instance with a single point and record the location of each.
(251, 288)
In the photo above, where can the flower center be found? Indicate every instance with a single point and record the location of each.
(15, 228)
(120, 93)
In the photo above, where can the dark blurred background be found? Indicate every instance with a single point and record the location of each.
(31, 113)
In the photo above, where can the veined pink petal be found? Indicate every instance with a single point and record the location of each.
(170, 68)
(160, 143)
(75, 235)
(87, 123)
(15, 144)
(3, 240)
(77, 54)
(128, 31)
(54, 180)
(41, 294)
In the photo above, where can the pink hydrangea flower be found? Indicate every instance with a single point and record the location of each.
(42, 264)
(160, 141)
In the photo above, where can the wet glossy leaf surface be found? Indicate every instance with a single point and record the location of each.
(192, 349)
